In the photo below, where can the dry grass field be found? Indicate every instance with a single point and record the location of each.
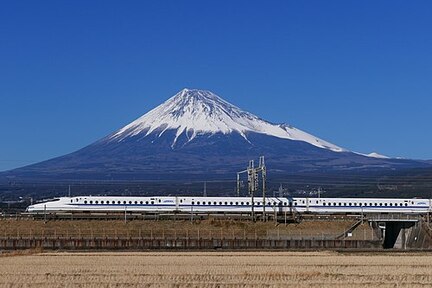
(181, 229)
(216, 269)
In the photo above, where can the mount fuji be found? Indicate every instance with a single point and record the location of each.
(197, 135)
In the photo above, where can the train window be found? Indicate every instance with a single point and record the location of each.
(152, 202)
(241, 203)
(136, 202)
(124, 202)
(220, 203)
(360, 204)
(295, 203)
(303, 202)
(345, 204)
(385, 204)
(285, 204)
(159, 200)
(118, 202)
(147, 203)
(214, 203)
(316, 202)
(236, 203)
(370, 204)
(412, 202)
(85, 201)
(350, 204)
(96, 202)
(112, 202)
(181, 201)
(102, 202)
(198, 202)
(280, 204)
(204, 202)
(226, 203)
(391, 204)
(324, 203)
(76, 199)
(376, 204)
(231, 203)
(91, 202)
(130, 202)
(141, 202)
(193, 203)
(340, 204)
(71, 200)
(406, 204)
(400, 204)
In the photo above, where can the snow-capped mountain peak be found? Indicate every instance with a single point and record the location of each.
(197, 112)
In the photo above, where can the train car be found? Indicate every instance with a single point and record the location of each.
(173, 204)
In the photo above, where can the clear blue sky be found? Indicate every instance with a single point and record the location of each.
(356, 73)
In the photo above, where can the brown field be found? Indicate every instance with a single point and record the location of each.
(216, 269)
(180, 229)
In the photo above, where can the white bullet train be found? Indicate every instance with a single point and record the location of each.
(230, 205)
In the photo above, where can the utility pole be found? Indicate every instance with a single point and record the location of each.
(205, 189)
(263, 170)
(253, 182)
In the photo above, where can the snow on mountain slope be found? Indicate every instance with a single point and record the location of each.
(198, 112)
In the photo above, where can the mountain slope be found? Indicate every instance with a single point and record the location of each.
(196, 134)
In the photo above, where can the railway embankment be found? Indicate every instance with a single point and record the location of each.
(170, 234)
